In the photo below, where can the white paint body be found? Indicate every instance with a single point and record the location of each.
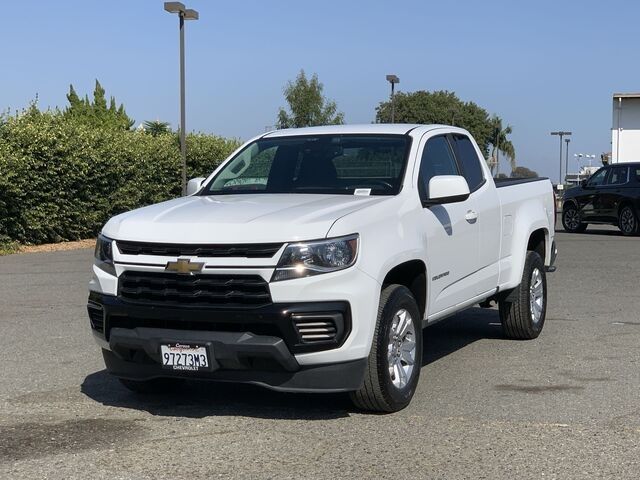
(481, 242)
(625, 130)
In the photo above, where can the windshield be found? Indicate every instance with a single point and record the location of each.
(332, 164)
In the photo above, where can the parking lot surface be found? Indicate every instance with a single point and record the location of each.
(563, 406)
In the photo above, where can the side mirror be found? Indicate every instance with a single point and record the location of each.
(447, 189)
(583, 183)
(194, 185)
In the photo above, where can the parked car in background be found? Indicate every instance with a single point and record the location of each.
(611, 196)
(311, 260)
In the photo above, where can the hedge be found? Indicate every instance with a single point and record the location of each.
(61, 179)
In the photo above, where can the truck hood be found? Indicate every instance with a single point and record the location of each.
(244, 218)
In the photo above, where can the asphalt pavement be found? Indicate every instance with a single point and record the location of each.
(563, 406)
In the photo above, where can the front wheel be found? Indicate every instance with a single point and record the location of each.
(395, 359)
(571, 219)
(628, 221)
(523, 312)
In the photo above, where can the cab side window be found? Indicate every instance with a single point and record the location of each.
(469, 161)
(618, 175)
(437, 159)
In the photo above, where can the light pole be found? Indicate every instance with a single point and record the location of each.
(579, 156)
(566, 158)
(183, 14)
(560, 134)
(393, 79)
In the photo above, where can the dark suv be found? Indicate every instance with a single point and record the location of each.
(609, 196)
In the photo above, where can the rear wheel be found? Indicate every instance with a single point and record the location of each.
(628, 221)
(523, 312)
(395, 359)
(571, 219)
(155, 385)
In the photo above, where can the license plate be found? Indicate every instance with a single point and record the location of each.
(179, 356)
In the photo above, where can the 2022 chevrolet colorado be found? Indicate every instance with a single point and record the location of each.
(311, 259)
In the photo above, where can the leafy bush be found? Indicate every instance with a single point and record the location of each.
(61, 178)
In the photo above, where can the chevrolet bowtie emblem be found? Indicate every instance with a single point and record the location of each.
(184, 266)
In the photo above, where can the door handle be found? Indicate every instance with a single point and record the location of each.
(471, 216)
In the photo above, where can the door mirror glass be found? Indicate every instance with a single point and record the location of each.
(447, 189)
(194, 185)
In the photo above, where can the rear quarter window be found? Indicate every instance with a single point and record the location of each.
(469, 161)
(618, 176)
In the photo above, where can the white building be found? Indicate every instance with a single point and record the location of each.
(625, 132)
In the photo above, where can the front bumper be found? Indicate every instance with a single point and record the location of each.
(334, 377)
(256, 345)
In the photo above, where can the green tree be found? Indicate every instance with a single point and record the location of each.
(307, 105)
(500, 143)
(62, 177)
(97, 113)
(444, 107)
(523, 172)
(156, 127)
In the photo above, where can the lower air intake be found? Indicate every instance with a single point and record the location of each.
(316, 328)
(96, 317)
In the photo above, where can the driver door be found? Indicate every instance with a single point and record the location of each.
(591, 198)
(452, 232)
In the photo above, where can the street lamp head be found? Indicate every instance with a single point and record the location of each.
(190, 14)
(174, 7)
(393, 79)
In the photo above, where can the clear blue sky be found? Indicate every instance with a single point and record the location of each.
(541, 66)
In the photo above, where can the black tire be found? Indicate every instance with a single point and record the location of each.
(516, 310)
(378, 393)
(571, 220)
(155, 385)
(628, 221)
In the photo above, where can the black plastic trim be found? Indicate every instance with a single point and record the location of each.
(226, 349)
(324, 378)
(274, 319)
(239, 250)
(508, 182)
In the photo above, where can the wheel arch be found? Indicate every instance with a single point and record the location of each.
(538, 241)
(572, 201)
(413, 275)
(626, 203)
(535, 238)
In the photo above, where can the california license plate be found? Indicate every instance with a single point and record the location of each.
(179, 356)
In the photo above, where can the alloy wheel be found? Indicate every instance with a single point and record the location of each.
(627, 220)
(401, 350)
(572, 218)
(536, 296)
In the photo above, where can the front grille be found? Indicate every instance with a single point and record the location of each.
(96, 317)
(201, 290)
(316, 328)
(245, 250)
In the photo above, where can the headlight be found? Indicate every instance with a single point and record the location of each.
(104, 255)
(313, 258)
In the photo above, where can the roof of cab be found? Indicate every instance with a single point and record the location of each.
(369, 128)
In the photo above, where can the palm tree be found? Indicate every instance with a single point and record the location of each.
(156, 127)
(500, 143)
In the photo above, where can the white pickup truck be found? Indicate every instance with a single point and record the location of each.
(311, 259)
